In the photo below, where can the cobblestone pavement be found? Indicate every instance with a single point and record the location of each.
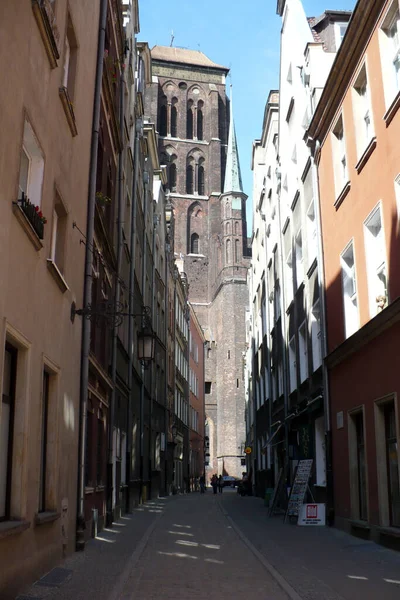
(216, 547)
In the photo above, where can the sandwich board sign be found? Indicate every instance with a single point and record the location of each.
(299, 488)
(311, 514)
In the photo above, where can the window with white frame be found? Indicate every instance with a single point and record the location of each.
(299, 259)
(389, 41)
(311, 233)
(31, 168)
(289, 278)
(339, 156)
(70, 60)
(292, 365)
(316, 335)
(340, 30)
(362, 111)
(376, 261)
(303, 352)
(320, 458)
(59, 234)
(349, 289)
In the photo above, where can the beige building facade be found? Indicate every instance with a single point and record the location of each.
(45, 120)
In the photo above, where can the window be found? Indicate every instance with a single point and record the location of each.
(70, 60)
(339, 157)
(389, 38)
(201, 180)
(43, 442)
(376, 262)
(316, 335)
(387, 444)
(162, 125)
(311, 233)
(59, 234)
(100, 449)
(340, 30)
(299, 259)
(7, 429)
(89, 447)
(228, 251)
(189, 179)
(303, 353)
(292, 365)
(349, 289)
(31, 168)
(237, 247)
(289, 277)
(207, 387)
(172, 177)
(320, 457)
(194, 244)
(362, 112)
(174, 119)
(199, 122)
(280, 378)
(189, 122)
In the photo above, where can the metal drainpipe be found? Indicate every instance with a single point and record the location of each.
(144, 266)
(87, 289)
(284, 365)
(324, 344)
(131, 318)
(110, 466)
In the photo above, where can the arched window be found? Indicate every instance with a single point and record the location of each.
(172, 177)
(228, 228)
(162, 125)
(194, 244)
(189, 179)
(236, 251)
(201, 181)
(199, 123)
(189, 123)
(236, 227)
(174, 119)
(228, 251)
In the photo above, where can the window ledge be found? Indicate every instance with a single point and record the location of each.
(68, 109)
(392, 110)
(26, 226)
(342, 195)
(46, 517)
(13, 528)
(357, 524)
(45, 20)
(100, 488)
(89, 490)
(365, 155)
(390, 531)
(57, 275)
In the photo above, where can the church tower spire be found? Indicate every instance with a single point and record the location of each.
(233, 177)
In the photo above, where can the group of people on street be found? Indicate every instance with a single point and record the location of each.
(217, 483)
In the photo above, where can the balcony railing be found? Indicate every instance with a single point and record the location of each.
(45, 18)
(33, 215)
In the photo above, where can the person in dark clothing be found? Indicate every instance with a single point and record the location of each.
(220, 484)
(202, 484)
(214, 483)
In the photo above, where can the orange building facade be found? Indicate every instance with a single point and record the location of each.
(355, 136)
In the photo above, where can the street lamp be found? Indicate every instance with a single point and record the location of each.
(145, 346)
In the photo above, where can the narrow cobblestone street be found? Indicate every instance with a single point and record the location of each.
(223, 546)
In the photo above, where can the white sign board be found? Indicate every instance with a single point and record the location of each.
(311, 514)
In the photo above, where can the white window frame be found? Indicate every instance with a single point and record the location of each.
(316, 335)
(349, 293)
(339, 156)
(390, 52)
(375, 254)
(362, 110)
(339, 34)
(32, 150)
(312, 242)
(299, 258)
(320, 456)
(303, 351)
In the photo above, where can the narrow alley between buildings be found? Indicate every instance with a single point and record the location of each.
(225, 546)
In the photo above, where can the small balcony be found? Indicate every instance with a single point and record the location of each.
(32, 214)
(45, 19)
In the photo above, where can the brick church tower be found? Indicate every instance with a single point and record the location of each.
(197, 142)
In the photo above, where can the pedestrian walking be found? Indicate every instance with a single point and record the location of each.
(202, 484)
(220, 484)
(214, 483)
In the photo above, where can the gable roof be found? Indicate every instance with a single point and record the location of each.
(184, 56)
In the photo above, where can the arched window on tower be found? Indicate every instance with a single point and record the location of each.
(200, 120)
(172, 177)
(228, 228)
(228, 251)
(201, 187)
(194, 244)
(236, 251)
(189, 179)
(174, 118)
(189, 121)
(162, 125)
(236, 227)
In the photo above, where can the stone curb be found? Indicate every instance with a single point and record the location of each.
(281, 581)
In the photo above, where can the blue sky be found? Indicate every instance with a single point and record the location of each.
(243, 36)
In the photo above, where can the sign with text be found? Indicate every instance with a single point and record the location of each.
(299, 487)
(311, 514)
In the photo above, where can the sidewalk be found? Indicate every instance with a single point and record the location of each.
(94, 572)
(320, 563)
